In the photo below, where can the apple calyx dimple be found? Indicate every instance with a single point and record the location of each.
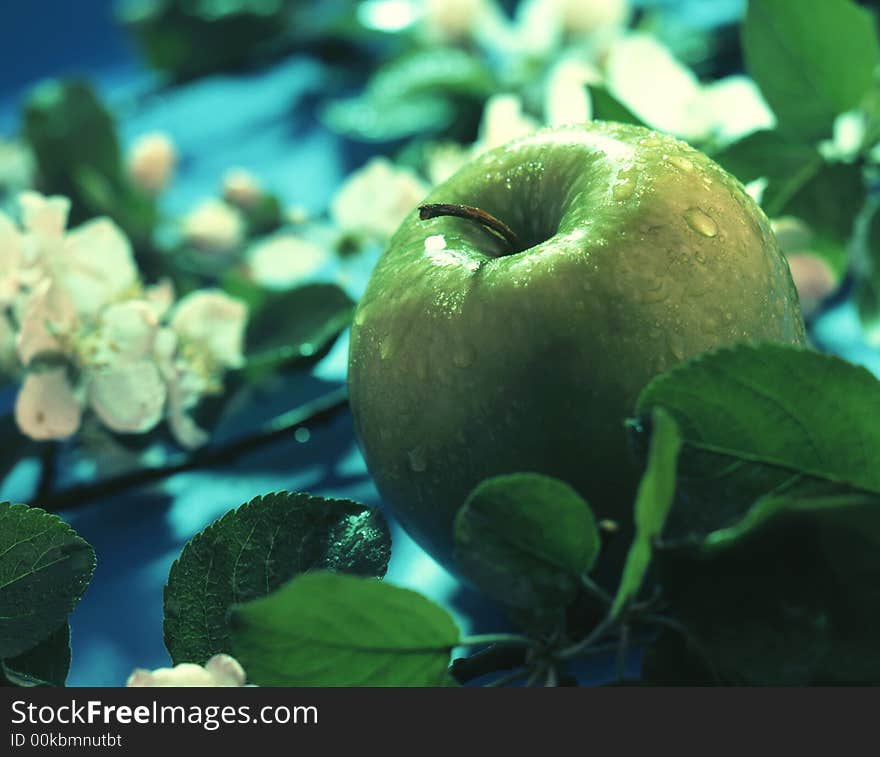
(495, 226)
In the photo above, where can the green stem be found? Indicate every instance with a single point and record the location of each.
(576, 650)
(490, 223)
(317, 411)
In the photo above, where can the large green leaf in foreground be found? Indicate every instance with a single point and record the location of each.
(784, 588)
(253, 550)
(44, 570)
(326, 629)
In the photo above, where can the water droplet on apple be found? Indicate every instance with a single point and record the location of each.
(651, 142)
(676, 347)
(360, 316)
(463, 357)
(623, 189)
(418, 462)
(679, 161)
(700, 222)
(384, 349)
(654, 294)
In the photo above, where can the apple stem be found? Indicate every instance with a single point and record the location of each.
(490, 223)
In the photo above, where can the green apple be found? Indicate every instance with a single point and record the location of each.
(592, 258)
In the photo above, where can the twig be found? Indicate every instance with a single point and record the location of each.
(489, 660)
(576, 650)
(312, 413)
(495, 226)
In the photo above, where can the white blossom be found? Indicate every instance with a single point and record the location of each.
(128, 397)
(184, 386)
(375, 199)
(48, 320)
(96, 265)
(566, 97)
(241, 188)
(47, 407)
(444, 159)
(45, 217)
(213, 323)
(503, 120)
(848, 138)
(458, 21)
(220, 671)
(151, 161)
(137, 358)
(11, 261)
(592, 17)
(284, 260)
(645, 76)
(214, 226)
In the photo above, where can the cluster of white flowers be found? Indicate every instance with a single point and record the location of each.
(220, 671)
(87, 334)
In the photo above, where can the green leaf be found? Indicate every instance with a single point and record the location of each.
(765, 418)
(371, 120)
(433, 70)
(415, 94)
(189, 39)
(788, 595)
(44, 570)
(654, 499)
(324, 629)
(46, 664)
(253, 550)
(606, 107)
(812, 59)
(295, 326)
(73, 138)
(526, 540)
(787, 165)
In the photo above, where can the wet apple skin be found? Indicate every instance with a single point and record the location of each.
(641, 252)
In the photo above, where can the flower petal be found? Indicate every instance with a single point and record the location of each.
(128, 398)
(220, 671)
(214, 226)
(97, 266)
(46, 216)
(214, 322)
(127, 332)
(47, 315)
(46, 406)
(282, 261)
